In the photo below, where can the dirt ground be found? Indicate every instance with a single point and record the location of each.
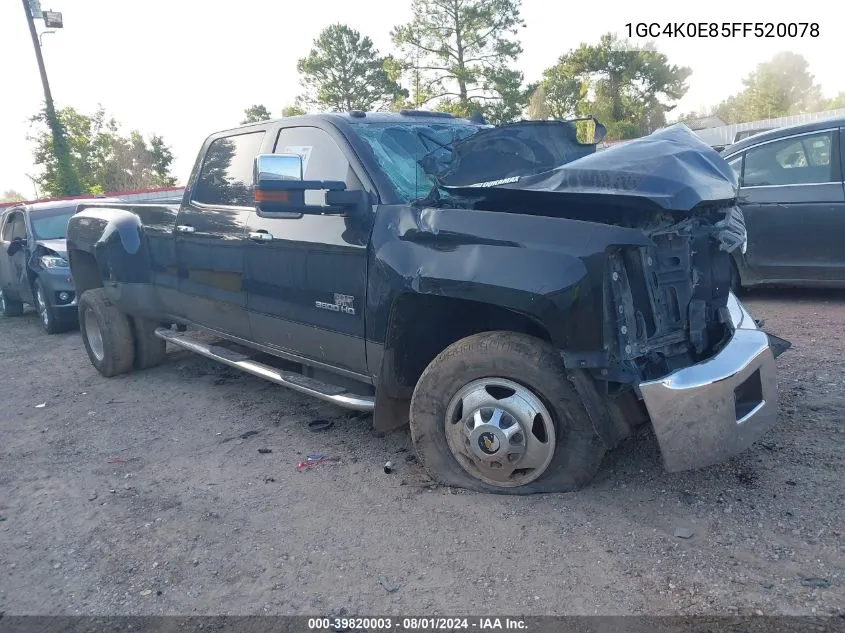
(147, 494)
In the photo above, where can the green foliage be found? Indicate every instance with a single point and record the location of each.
(66, 178)
(10, 195)
(566, 95)
(538, 103)
(836, 102)
(779, 87)
(344, 71)
(293, 110)
(162, 158)
(255, 113)
(460, 53)
(100, 156)
(627, 87)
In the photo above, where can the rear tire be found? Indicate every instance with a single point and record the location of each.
(525, 377)
(150, 350)
(10, 307)
(106, 333)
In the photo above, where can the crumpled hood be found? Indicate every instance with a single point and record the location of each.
(57, 246)
(671, 168)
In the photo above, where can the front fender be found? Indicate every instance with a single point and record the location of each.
(542, 267)
(115, 238)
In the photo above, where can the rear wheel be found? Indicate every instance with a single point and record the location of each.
(496, 412)
(10, 307)
(150, 350)
(106, 333)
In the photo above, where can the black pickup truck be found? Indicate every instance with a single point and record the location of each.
(521, 299)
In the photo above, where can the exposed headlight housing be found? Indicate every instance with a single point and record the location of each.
(53, 261)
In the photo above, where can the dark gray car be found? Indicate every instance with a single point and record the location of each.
(33, 263)
(793, 199)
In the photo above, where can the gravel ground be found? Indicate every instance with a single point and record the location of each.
(147, 494)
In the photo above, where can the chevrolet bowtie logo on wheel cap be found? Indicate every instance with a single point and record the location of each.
(488, 443)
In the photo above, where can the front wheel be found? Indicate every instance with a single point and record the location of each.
(496, 412)
(106, 333)
(46, 312)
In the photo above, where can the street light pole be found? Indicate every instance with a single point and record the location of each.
(68, 180)
(41, 37)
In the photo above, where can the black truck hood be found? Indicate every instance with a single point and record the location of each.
(671, 169)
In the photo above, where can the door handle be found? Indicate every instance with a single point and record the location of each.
(261, 236)
(184, 228)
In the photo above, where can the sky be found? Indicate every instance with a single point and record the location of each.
(186, 68)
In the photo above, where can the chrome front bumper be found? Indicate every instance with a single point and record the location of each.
(710, 411)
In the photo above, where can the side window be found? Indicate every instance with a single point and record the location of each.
(322, 158)
(792, 161)
(736, 164)
(14, 227)
(7, 228)
(226, 176)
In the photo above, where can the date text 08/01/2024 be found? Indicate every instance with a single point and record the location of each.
(694, 30)
(416, 624)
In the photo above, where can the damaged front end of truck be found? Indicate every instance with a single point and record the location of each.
(671, 330)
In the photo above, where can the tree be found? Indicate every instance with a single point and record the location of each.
(293, 110)
(779, 87)
(103, 158)
(255, 113)
(162, 158)
(344, 71)
(538, 104)
(10, 195)
(563, 92)
(628, 88)
(461, 52)
(836, 102)
(56, 152)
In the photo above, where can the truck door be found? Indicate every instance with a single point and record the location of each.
(211, 236)
(307, 275)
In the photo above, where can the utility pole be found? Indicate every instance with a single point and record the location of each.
(67, 176)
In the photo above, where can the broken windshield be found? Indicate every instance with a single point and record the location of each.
(399, 147)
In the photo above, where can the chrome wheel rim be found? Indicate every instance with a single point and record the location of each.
(93, 335)
(41, 304)
(500, 432)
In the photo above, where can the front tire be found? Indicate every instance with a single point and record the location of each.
(496, 412)
(46, 312)
(106, 333)
(10, 307)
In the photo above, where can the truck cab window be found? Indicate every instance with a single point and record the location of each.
(322, 158)
(397, 148)
(226, 176)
